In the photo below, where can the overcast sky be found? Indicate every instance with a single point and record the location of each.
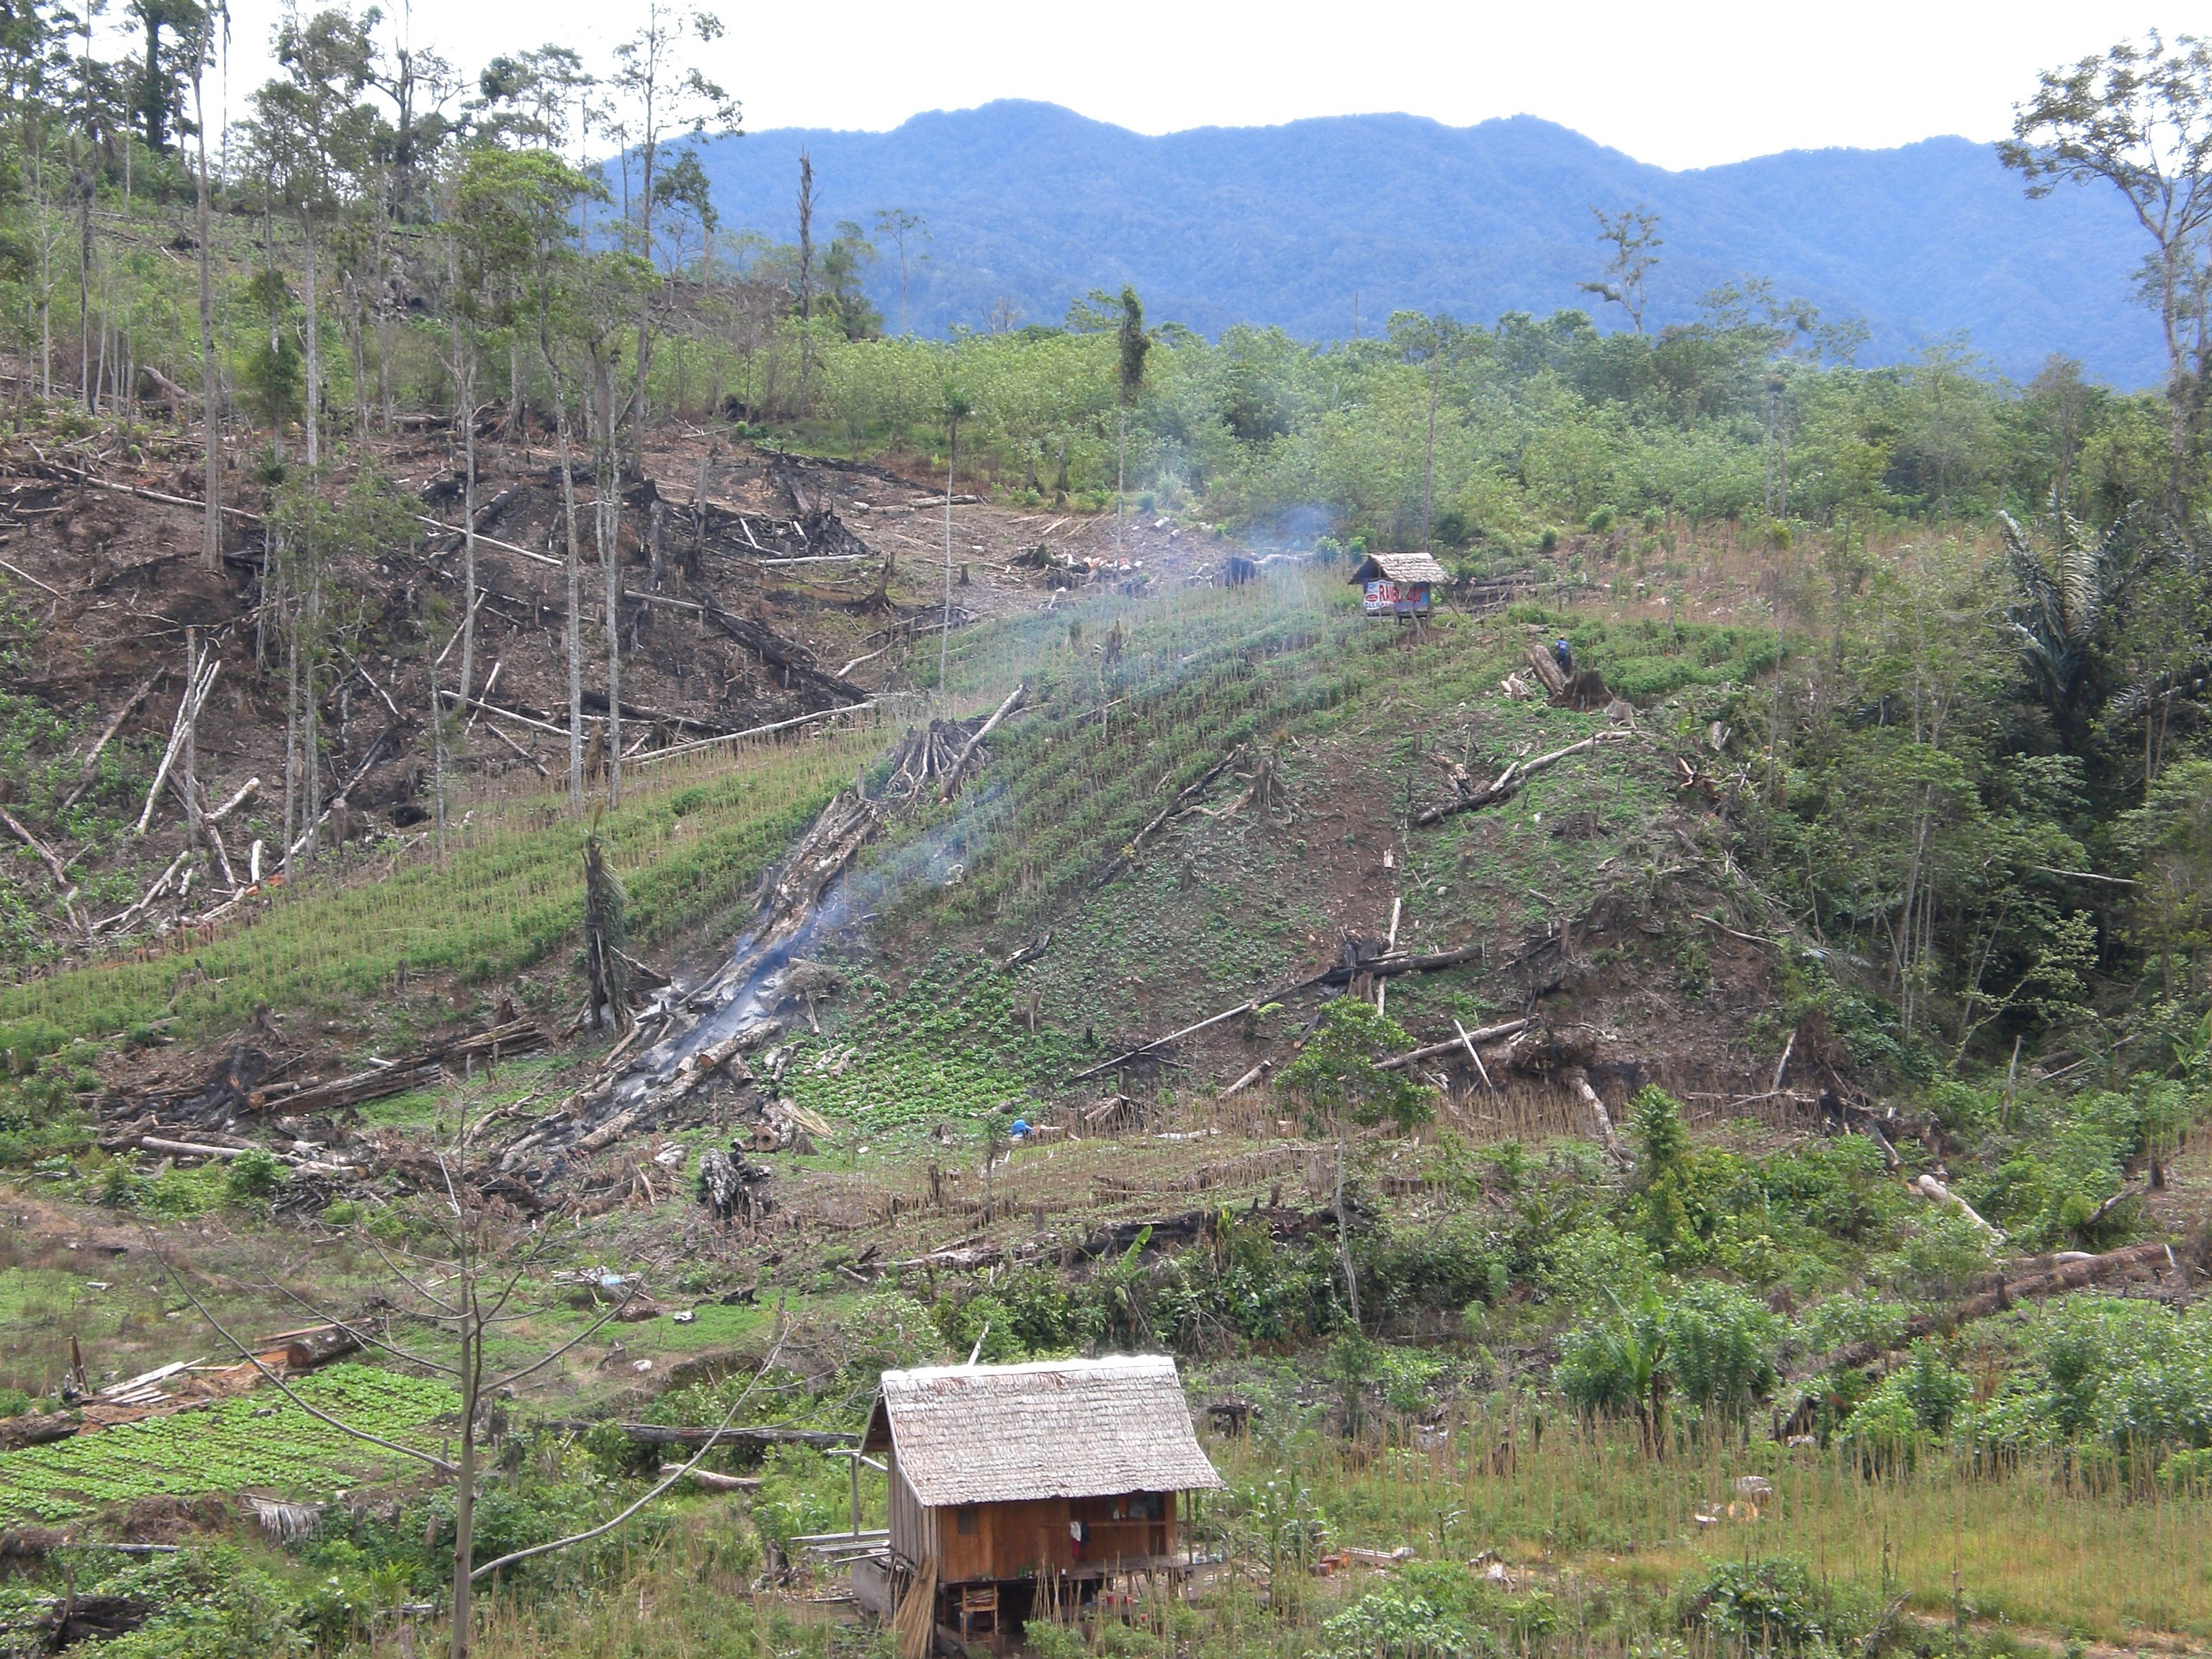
(1675, 82)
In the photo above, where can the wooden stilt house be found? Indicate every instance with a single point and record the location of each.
(1019, 1489)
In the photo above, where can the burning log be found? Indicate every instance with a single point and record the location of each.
(733, 1009)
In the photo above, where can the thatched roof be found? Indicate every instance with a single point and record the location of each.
(1058, 1428)
(1400, 567)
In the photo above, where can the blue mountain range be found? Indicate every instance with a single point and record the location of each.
(1030, 205)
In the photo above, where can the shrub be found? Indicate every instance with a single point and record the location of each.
(1769, 1605)
(1709, 1345)
(2132, 1373)
(1919, 1400)
(1336, 1070)
(1393, 1622)
(253, 1177)
(1721, 1345)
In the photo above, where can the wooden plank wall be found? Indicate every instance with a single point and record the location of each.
(910, 1522)
(1011, 1541)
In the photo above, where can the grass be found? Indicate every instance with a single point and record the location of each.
(2030, 1545)
(689, 846)
(1594, 1533)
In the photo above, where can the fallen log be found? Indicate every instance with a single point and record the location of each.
(1161, 1042)
(187, 1149)
(1250, 1078)
(707, 1480)
(200, 677)
(35, 1428)
(779, 653)
(1578, 1080)
(484, 540)
(17, 570)
(697, 743)
(1188, 792)
(597, 702)
(2056, 1279)
(1466, 1040)
(1383, 967)
(1507, 783)
(968, 753)
(123, 920)
(1928, 1186)
(45, 854)
(420, 1070)
(663, 1434)
(78, 475)
(90, 769)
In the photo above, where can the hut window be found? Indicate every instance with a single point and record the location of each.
(964, 1520)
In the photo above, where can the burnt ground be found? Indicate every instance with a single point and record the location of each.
(108, 585)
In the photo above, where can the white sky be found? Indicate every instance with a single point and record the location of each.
(1682, 85)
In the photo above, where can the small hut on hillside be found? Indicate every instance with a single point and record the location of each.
(1015, 1489)
(1398, 584)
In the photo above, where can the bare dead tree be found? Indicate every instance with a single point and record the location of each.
(467, 1276)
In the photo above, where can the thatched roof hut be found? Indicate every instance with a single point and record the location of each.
(1013, 1475)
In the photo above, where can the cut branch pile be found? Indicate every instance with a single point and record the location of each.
(249, 1082)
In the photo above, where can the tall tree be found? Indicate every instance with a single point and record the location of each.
(1131, 345)
(315, 133)
(902, 227)
(1634, 236)
(2140, 120)
(158, 92)
(211, 382)
(667, 92)
(519, 204)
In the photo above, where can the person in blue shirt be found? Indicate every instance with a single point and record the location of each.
(1565, 655)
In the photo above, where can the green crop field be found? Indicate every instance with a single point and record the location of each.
(257, 1440)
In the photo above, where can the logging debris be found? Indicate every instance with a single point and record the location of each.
(2048, 1276)
(1470, 796)
(1583, 689)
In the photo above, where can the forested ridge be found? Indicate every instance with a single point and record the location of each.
(604, 839)
(1325, 227)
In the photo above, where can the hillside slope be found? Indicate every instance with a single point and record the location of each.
(1286, 225)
